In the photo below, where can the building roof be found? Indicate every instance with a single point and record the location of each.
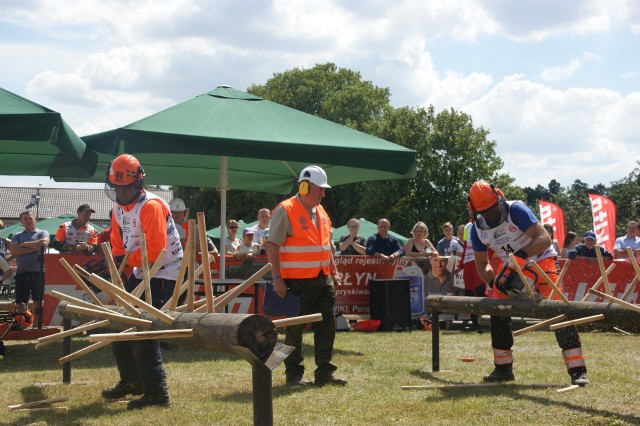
(56, 201)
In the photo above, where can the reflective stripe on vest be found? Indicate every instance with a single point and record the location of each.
(307, 252)
(573, 358)
(502, 356)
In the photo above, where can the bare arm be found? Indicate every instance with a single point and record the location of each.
(273, 255)
(540, 240)
(28, 246)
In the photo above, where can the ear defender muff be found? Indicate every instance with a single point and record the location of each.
(303, 187)
(141, 177)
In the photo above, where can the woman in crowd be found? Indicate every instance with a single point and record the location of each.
(419, 246)
(232, 242)
(570, 241)
(352, 244)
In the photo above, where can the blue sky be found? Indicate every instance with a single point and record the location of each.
(555, 83)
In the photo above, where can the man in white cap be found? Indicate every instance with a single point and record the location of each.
(299, 250)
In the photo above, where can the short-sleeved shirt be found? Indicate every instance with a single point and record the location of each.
(623, 242)
(280, 227)
(258, 233)
(28, 262)
(452, 244)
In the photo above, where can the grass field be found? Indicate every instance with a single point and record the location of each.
(208, 388)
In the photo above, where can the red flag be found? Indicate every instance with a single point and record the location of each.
(604, 220)
(552, 214)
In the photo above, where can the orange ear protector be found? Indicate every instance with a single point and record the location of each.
(304, 187)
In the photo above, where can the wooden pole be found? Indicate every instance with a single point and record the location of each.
(116, 279)
(173, 302)
(191, 241)
(540, 325)
(145, 268)
(568, 388)
(79, 281)
(565, 267)
(576, 321)
(123, 264)
(223, 300)
(525, 282)
(140, 288)
(303, 319)
(548, 281)
(204, 253)
(48, 340)
(109, 315)
(38, 404)
(629, 289)
(88, 349)
(605, 278)
(181, 289)
(106, 286)
(119, 300)
(598, 282)
(615, 300)
(142, 335)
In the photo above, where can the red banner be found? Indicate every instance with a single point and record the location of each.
(553, 215)
(604, 220)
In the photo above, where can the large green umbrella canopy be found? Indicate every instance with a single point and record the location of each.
(234, 140)
(36, 141)
(215, 232)
(50, 224)
(367, 229)
(265, 146)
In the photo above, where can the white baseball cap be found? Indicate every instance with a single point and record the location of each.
(315, 175)
(177, 205)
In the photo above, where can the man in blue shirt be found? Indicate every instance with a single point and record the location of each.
(383, 245)
(629, 240)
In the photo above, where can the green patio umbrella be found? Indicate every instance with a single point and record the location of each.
(234, 140)
(36, 141)
(367, 229)
(215, 232)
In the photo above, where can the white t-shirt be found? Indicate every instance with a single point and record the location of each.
(254, 249)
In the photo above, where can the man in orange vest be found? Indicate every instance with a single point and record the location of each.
(299, 250)
(77, 236)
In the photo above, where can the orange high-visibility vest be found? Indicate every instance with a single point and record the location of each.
(307, 252)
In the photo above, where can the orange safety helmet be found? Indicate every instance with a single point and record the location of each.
(483, 196)
(125, 170)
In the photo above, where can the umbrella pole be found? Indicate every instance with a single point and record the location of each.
(223, 185)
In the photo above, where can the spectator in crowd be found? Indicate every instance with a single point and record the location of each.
(570, 241)
(300, 223)
(77, 236)
(261, 229)
(248, 248)
(629, 240)
(7, 272)
(4, 246)
(105, 235)
(28, 248)
(473, 284)
(460, 235)
(384, 245)
(232, 242)
(587, 249)
(448, 245)
(549, 228)
(419, 246)
(353, 244)
(179, 213)
(140, 362)
(2, 224)
(439, 280)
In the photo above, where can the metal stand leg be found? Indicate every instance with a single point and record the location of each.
(66, 350)
(435, 342)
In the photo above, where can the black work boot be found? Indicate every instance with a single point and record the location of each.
(297, 381)
(502, 373)
(329, 379)
(121, 390)
(579, 376)
(149, 400)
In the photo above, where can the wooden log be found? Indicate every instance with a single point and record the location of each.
(614, 315)
(216, 332)
(142, 335)
(38, 404)
(598, 281)
(616, 300)
(540, 325)
(87, 349)
(79, 281)
(206, 272)
(49, 340)
(605, 278)
(576, 321)
(94, 313)
(303, 319)
(548, 281)
(523, 278)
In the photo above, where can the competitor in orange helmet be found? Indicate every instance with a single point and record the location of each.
(512, 228)
(135, 213)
